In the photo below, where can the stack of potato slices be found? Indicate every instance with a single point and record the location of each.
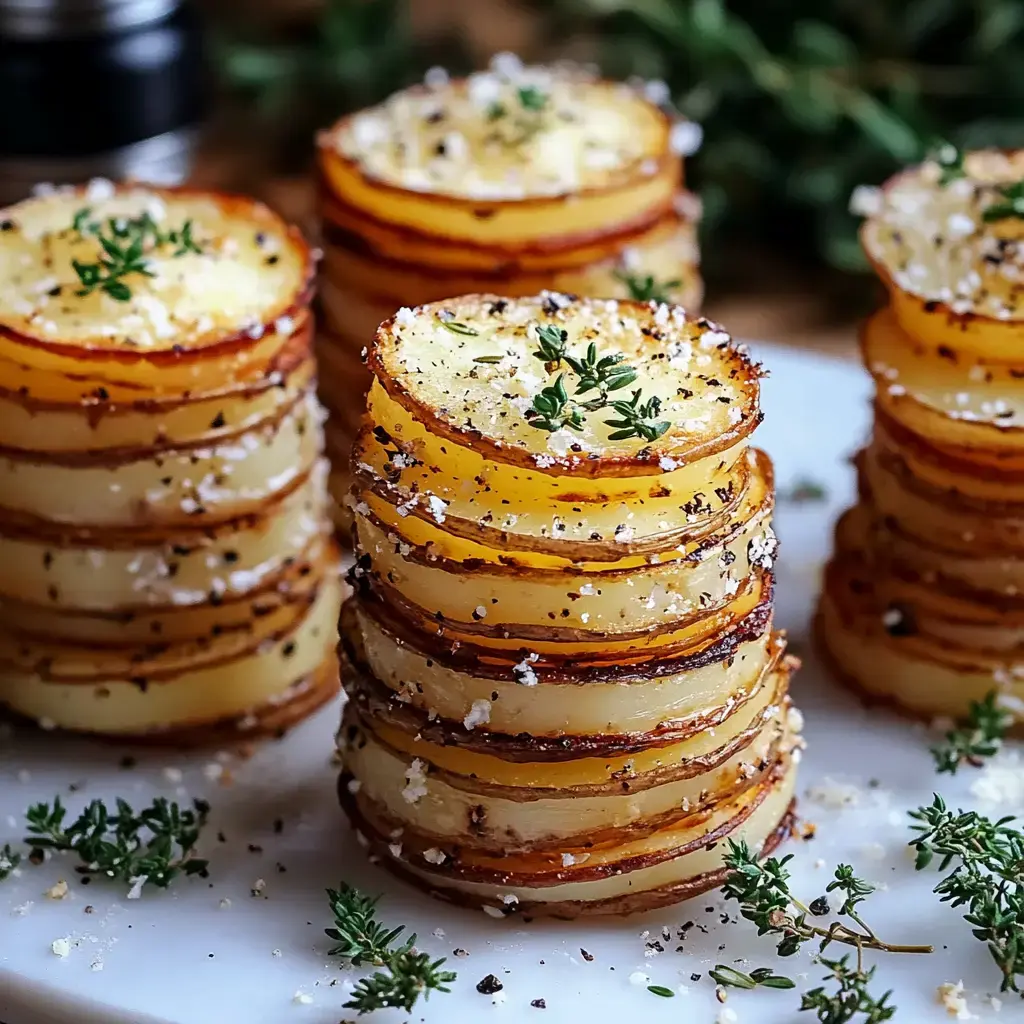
(924, 601)
(565, 687)
(167, 565)
(513, 180)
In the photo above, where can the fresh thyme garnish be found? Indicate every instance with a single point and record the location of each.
(981, 737)
(154, 845)
(988, 878)
(532, 98)
(645, 288)
(637, 419)
(605, 374)
(446, 318)
(762, 890)
(1010, 205)
(124, 243)
(553, 408)
(9, 861)
(950, 161)
(551, 344)
(661, 990)
(763, 976)
(362, 939)
(488, 359)
(529, 119)
(852, 997)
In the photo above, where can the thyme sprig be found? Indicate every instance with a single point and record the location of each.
(361, 939)
(762, 890)
(126, 243)
(9, 861)
(637, 419)
(446, 318)
(646, 287)
(553, 408)
(988, 878)
(980, 738)
(723, 974)
(155, 845)
(527, 115)
(851, 998)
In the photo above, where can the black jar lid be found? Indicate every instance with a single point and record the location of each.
(76, 96)
(63, 19)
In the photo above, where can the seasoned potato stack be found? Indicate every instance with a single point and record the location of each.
(513, 180)
(167, 565)
(565, 687)
(924, 600)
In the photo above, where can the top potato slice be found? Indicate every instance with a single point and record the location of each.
(947, 244)
(208, 269)
(476, 371)
(509, 133)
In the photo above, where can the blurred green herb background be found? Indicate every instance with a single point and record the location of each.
(800, 100)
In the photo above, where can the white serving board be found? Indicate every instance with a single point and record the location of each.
(176, 957)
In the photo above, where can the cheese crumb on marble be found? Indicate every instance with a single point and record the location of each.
(61, 947)
(951, 996)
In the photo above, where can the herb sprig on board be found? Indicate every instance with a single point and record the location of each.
(9, 861)
(988, 877)
(125, 243)
(980, 738)
(554, 408)
(762, 890)
(155, 845)
(362, 939)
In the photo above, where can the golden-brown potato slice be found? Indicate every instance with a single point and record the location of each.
(953, 273)
(176, 313)
(473, 383)
(506, 159)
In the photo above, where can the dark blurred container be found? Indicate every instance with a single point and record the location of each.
(97, 88)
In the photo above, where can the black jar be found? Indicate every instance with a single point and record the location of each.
(97, 88)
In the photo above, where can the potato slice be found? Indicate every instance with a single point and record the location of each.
(197, 693)
(954, 278)
(251, 271)
(672, 864)
(946, 401)
(92, 420)
(469, 160)
(229, 478)
(120, 572)
(473, 384)
(924, 675)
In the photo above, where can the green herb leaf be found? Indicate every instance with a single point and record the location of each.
(488, 359)
(407, 973)
(9, 861)
(987, 877)
(532, 98)
(446, 318)
(124, 248)
(979, 739)
(637, 419)
(661, 990)
(155, 844)
(852, 998)
(646, 288)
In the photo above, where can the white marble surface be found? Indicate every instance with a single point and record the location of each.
(177, 957)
